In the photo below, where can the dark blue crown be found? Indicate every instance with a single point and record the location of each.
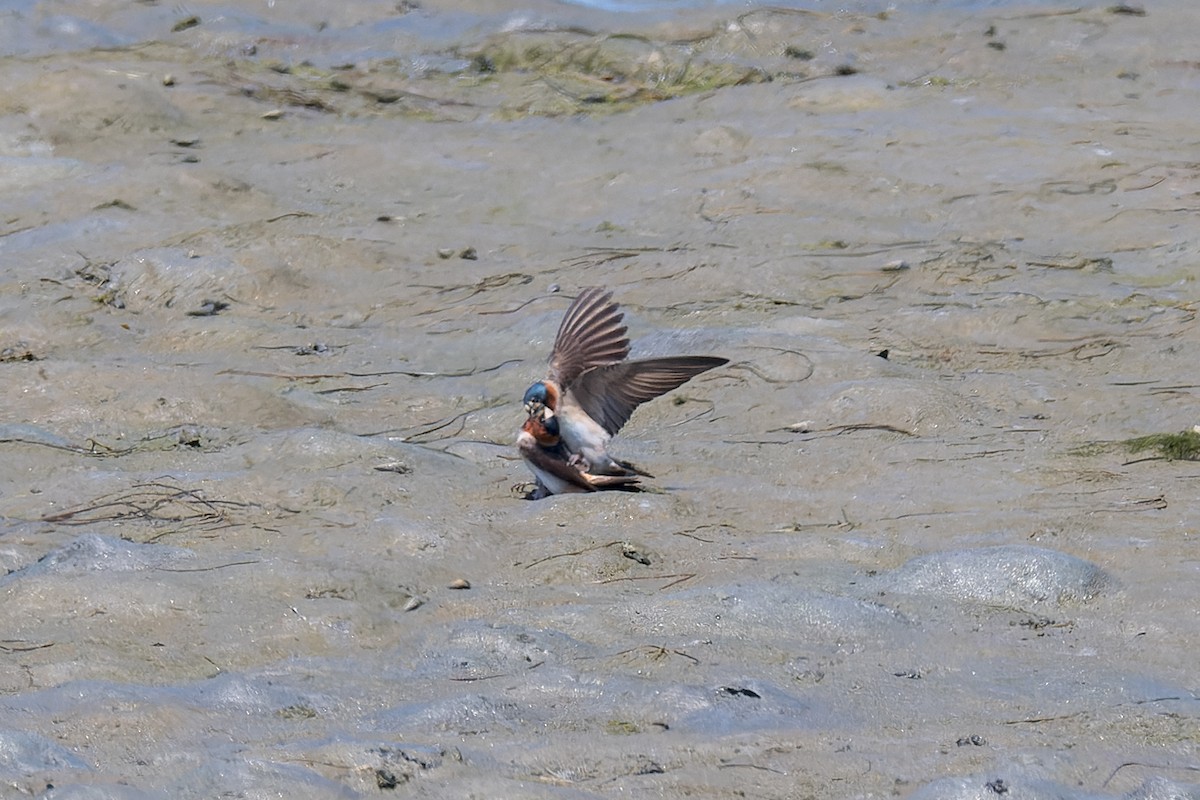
(536, 394)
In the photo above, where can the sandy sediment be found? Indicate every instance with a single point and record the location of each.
(270, 301)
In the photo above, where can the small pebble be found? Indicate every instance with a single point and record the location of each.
(168, 80)
(413, 604)
(190, 437)
(273, 114)
(630, 551)
(460, 583)
(209, 308)
(899, 265)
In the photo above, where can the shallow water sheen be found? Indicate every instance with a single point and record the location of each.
(274, 278)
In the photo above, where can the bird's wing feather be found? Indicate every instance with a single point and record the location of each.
(591, 335)
(609, 394)
(613, 481)
(548, 461)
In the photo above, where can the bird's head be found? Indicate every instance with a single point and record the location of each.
(543, 427)
(539, 396)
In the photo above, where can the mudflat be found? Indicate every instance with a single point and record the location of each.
(274, 282)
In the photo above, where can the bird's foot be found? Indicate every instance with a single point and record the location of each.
(530, 491)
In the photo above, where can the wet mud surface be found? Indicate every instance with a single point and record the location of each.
(271, 294)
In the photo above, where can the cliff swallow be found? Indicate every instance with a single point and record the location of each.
(591, 390)
(541, 446)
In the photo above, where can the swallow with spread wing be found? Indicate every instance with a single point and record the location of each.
(591, 389)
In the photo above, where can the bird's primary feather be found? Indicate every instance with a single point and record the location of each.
(609, 394)
(591, 335)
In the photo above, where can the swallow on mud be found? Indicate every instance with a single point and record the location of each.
(591, 389)
(541, 446)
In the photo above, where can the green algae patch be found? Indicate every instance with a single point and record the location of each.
(572, 71)
(1183, 446)
(620, 727)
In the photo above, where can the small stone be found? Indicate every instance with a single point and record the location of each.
(168, 80)
(190, 437)
(459, 583)
(630, 551)
(209, 308)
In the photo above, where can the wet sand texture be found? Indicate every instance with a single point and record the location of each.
(271, 292)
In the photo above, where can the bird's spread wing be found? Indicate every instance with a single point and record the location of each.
(609, 394)
(591, 335)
